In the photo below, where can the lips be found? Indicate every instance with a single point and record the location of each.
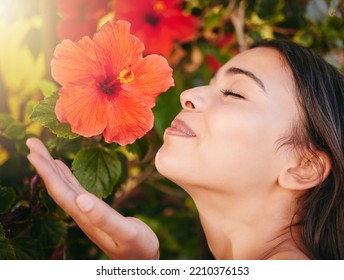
(180, 128)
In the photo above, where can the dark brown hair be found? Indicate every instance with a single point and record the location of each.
(320, 88)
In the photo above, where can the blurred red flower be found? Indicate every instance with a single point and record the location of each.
(158, 23)
(80, 17)
(213, 63)
(108, 87)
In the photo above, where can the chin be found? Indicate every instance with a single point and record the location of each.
(161, 162)
(168, 165)
(176, 166)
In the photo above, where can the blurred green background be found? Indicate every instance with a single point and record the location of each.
(31, 225)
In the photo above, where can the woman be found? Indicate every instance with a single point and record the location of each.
(260, 151)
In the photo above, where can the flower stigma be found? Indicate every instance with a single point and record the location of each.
(159, 6)
(126, 76)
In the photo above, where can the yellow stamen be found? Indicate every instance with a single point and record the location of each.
(125, 76)
(159, 6)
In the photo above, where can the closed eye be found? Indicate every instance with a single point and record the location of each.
(227, 92)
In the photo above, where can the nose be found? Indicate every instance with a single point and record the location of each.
(193, 99)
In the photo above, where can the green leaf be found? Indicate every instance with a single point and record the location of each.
(10, 128)
(27, 248)
(64, 147)
(167, 107)
(47, 88)
(44, 113)
(47, 201)
(270, 10)
(5, 120)
(140, 147)
(50, 231)
(21, 146)
(2, 233)
(97, 170)
(303, 37)
(15, 130)
(6, 248)
(7, 198)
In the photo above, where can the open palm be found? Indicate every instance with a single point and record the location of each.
(118, 236)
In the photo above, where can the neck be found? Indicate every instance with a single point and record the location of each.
(245, 226)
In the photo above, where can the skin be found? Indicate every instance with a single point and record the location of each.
(223, 150)
(232, 167)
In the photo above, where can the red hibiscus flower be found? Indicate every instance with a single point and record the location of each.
(80, 17)
(158, 23)
(108, 87)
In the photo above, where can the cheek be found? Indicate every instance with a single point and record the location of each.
(227, 149)
(236, 131)
(240, 151)
(233, 149)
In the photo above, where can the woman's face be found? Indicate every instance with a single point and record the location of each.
(227, 135)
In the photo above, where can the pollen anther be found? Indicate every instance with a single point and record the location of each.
(126, 76)
(159, 6)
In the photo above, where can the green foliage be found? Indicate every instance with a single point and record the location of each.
(167, 107)
(98, 170)
(44, 113)
(140, 147)
(6, 249)
(10, 128)
(32, 226)
(47, 88)
(7, 198)
(50, 231)
(27, 248)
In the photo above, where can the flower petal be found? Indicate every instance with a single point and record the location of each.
(157, 23)
(84, 109)
(125, 49)
(76, 63)
(153, 76)
(158, 39)
(129, 120)
(182, 27)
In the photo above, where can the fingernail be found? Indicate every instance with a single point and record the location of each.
(84, 202)
(28, 142)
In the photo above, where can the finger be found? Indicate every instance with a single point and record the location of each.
(101, 215)
(36, 146)
(69, 178)
(47, 166)
(107, 219)
(62, 186)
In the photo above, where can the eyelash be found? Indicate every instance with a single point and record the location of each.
(229, 92)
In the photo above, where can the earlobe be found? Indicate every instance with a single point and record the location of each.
(308, 173)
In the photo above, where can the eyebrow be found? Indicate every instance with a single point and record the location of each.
(235, 70)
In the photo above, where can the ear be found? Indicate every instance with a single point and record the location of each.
(306, 172)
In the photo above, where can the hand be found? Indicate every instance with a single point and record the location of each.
(118, 236)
